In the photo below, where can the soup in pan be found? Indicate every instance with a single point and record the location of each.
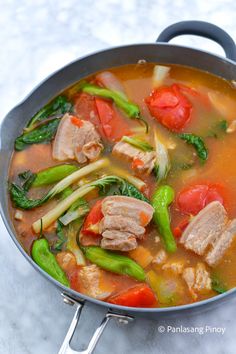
(123, 186)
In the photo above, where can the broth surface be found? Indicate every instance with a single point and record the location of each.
(219, 168)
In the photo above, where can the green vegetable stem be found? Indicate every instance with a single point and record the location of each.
(47, 261)
(53, 175)
(161, 200)
(138, 143)
(129, 108)
(114, 262)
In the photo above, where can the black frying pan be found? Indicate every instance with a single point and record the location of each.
(159, 52)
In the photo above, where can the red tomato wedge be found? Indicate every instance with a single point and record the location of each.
(138, 296)
(85, 108)
(179, 229)
(113, 125)
(91, 223)
(194, 198)
(170, 107)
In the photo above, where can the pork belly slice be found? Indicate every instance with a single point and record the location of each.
(128, 152)
(63, 145)
(221, 244)
(205, 228)
(87, 144)
(118, 240)
(198, 280)
(124, 222)
(82, 143)
(136, 209)
(121, 223)
(90, 281)
(127, 243)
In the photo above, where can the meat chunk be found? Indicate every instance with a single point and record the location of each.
(160, 257)
(176, 267)
(90, 282)
(210, 233)
(124, 222)
(119, 222)
(146, 160)
(125, 244)
(78, 141)
(138, 210)
(222, 244)
(63, 146)
(197, 279)
(205, 228)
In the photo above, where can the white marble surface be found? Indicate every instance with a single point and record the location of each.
(38, 37)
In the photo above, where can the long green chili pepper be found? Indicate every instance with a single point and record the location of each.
(197, 143)
(131, 109)
(47, 261)
(53, 175)
(113, 262)
(59, 105)
(42, 134)
(161, 200)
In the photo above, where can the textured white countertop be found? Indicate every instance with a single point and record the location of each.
(37, 38)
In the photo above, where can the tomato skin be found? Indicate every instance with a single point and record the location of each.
(179, 229)
(170, 107)
(194, 198)
(92, 220)
(113, 125)
(138, 296)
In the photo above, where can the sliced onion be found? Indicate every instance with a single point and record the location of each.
(110, 81)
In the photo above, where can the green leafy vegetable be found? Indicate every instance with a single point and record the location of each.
(129, 108)
(197, 142)
(217, 284)
(27, 178)
(20, 199)
(123, 187)
(59, 105)
(41, 134)
(61, 237)
(138, 143)
(53, 175)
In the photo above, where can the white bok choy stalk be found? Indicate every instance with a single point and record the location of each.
(162, 165)
(137, 182)
(72, 242)
(75, 176)
(60, 208)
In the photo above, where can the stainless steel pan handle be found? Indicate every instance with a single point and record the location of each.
(202, 29)
(66, 348)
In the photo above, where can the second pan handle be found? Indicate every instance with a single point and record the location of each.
(202, 29)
